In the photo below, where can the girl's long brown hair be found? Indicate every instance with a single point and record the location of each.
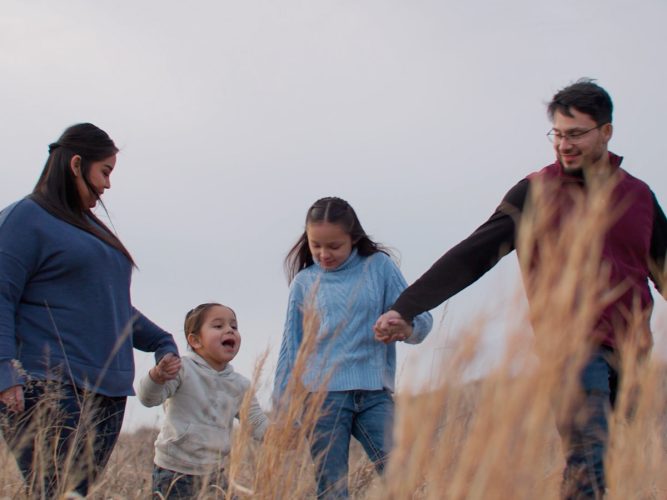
(334, 211)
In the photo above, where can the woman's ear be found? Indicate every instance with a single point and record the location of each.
(75, 165)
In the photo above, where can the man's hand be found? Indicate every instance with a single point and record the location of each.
(391, 327)
(166, 369)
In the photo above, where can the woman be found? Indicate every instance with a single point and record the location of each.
(67, 325)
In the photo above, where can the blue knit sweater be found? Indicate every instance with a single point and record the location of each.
(348, 301)
(65, 309)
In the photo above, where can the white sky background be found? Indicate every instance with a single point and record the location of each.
(233, 117)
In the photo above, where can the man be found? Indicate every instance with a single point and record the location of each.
(632, 248)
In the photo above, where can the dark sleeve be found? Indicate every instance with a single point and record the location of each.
(466, 262)
(148, 337)
(658, 247)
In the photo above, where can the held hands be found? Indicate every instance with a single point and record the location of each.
(166, 369)
(13, 398)
(391, 327)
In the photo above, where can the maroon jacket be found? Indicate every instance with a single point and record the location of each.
(634, 246)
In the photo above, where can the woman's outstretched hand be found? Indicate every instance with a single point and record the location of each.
(13, 398)
(391, 327)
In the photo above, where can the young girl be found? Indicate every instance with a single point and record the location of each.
(349, 279)
(201, 401)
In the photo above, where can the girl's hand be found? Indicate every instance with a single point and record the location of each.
(13, 398)
(391, 327)
(166, 369)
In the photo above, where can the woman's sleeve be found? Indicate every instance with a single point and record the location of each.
(148, 337)
(19, 257)
(394, 285)
(291, 341)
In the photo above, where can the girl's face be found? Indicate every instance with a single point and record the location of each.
(329, 244)
(99, 176)
(219, 339)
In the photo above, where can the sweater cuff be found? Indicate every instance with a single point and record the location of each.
(422, 324)
(163, 351)
(9, 376)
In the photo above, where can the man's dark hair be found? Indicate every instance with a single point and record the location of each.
(586, 97)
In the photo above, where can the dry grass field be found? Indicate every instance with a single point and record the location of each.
(490, 439)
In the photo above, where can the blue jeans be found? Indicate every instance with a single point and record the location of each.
(170, 485)
(585, 430)
(366, 415)
(63, 439)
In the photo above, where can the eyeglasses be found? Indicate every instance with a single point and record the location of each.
(572, 137)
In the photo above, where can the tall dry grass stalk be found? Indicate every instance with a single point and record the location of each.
(490, 438)
(283, 467)
(63, 454)
(496, 438)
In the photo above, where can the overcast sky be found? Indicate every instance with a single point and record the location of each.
(233, 117)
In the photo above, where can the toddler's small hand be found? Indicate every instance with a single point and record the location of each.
(166, 369)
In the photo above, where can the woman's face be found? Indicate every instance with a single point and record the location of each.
(99, 177)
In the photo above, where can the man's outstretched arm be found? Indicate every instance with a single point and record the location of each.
(469, 260)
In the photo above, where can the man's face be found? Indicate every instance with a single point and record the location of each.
(579, 142)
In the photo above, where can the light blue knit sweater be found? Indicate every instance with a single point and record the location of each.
(348, 301)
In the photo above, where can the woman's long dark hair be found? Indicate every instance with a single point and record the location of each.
(334, 211)
(56, 190)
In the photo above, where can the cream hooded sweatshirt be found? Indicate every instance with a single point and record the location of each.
(200, 405)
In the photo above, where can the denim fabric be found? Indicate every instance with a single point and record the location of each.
(171, 485)
(585, 432)
(366, 415)
(57, 419)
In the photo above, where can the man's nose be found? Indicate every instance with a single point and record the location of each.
(564, 142)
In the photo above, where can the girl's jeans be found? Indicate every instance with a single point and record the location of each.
(63, 439)
(366, 415)
(171, 485)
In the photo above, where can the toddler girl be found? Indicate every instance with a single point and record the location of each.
(201, 401)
